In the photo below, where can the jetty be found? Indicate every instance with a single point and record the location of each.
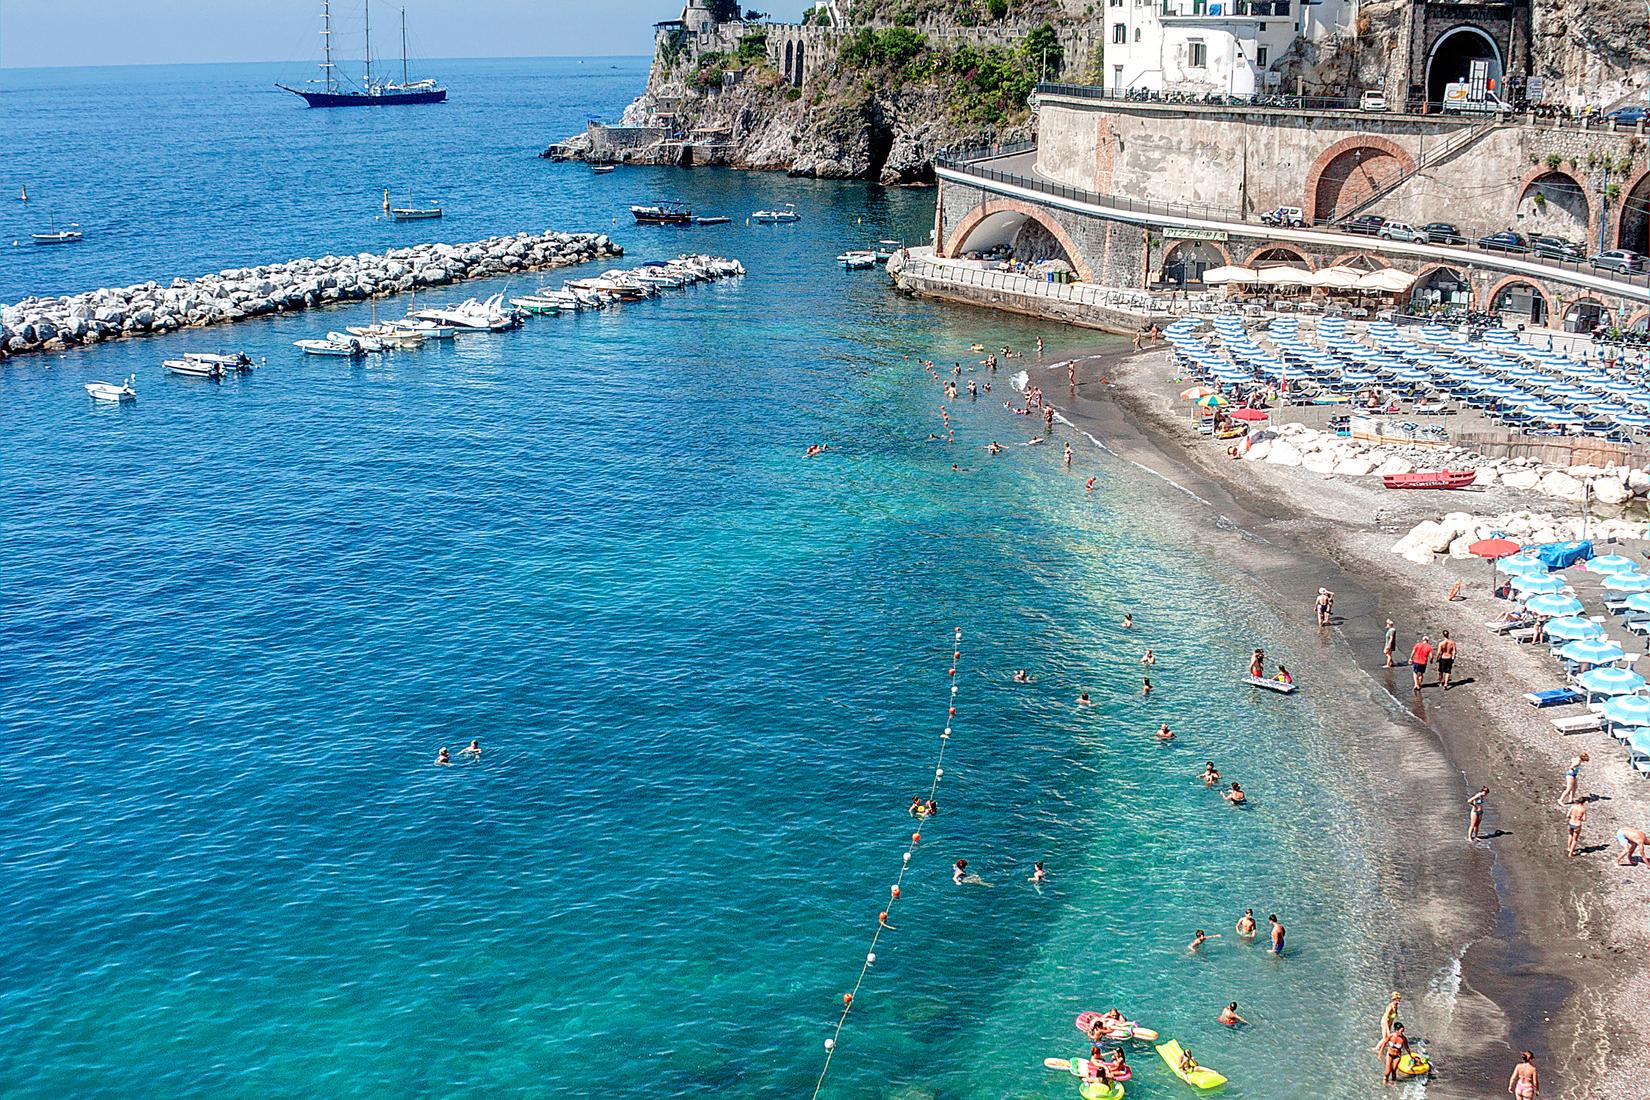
(39, 324)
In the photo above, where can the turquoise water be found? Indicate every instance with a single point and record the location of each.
(708, 676)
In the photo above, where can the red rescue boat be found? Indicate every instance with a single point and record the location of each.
(1432, 479)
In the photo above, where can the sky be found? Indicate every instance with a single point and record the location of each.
(163, 32)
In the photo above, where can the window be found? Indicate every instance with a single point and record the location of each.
(1198, 55)
(1119, 34)
(1117, 76)
(1137, 34)
(1260, 57)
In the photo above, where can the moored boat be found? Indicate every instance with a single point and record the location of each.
(193, 368)
(108, 391)
(1432, 479)
(372, 92)
(341, 348)
(237, 361)
(414, 213)
(663, 213)
(365, 343)
(532, 303)
(788, 214)
(857, 259)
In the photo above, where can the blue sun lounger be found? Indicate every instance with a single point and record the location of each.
(1553, 697)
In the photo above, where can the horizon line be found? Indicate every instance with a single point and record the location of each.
(278, 61)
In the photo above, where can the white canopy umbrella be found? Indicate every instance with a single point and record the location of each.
(1230, 274)
(1336, 278)
(1388, 280)
(1284, 275)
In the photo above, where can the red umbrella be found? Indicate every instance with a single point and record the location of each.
(1248, 414)
(1492, 549)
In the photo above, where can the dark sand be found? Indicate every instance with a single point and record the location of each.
(1535, 971)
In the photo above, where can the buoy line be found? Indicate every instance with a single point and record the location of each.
(905, 867)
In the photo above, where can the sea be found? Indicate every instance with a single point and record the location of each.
(707, 673)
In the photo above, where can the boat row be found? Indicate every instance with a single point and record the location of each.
(862, 259)
(213, 365)
(669, 212)
(627, 285)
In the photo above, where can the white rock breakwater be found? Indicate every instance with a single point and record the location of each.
(53, 324)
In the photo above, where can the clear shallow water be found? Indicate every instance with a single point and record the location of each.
(707, 674)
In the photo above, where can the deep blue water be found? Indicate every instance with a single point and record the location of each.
(707, 673)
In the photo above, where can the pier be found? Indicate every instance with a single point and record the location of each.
(56, 324)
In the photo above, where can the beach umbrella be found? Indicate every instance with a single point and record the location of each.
(1229, 274)
(1610, 680)
(1628, 710)
(1572, 628)
(1248, 414)
(1627, 582)
(1638, 740)
(1211, 400)
(1521, 563)
(1282, 275)
(1612, 563)
(1536, 584)
(1492, 549)
(1553, 605)
(1388, 280)
(1592, 651)
(1196, 392)
(1638, 601)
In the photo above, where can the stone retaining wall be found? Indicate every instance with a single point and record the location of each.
(53, 324)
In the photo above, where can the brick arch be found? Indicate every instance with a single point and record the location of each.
(1541, 171)
(1609, 313)
(1378, 261)
(1225, 254)
(1459, 272)
(971, 222)
(1315, 175)
(1311, 264)
(1641, 315)
(1540, 288)
(1621, 210)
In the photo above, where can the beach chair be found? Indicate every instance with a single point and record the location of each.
(1552, 697)
(1507, 627)
(1578, 723)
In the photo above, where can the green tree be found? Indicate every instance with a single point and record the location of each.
(996, 9)
(753, 48)
(1043, 51)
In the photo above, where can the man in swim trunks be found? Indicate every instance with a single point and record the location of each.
(1257, 664)
(1525, 1082)
(1277, 934)
(1246, 924)
(1391, 643)
(1446, 659)
(1164, 733)
(1476, 805)
(1633, 843)
(1323, 606)
(1210, 776)
(1573, 820)
(1229, 1016)
(1419, 658)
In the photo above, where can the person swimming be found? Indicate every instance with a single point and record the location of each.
(1235, 794)
(915, 809)
(1083, 699)
(1246, 924)
(994, 448)
(1210, 775)
(1128, 620)
(1229, 1016)
(472, 749)
(444, 758)
(819, 449)
(1164, 733)
(1038, 873)
(959, 871)
(1021, 676)
(1199, 938)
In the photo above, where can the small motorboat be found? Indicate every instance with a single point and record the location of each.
(601, 169)
(663, 213)
(425, 330)
(238, 362)
(415, 213)
(108, 391)
(193, 368)
(788, 214)
(342, 348)
(858, 259)
(885, 250)
(1433, 479)
(534, 304)
(366, 343)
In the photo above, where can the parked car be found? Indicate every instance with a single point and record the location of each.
(1506, 241)
(1624, 260)
(1557, 248)
(1372, 101)
(1627, 116)
(1443, 233)
(1367, 224)
(1402, 231)
(1284, 215)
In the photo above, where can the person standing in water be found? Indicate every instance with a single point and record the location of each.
(444, 758)
(1067, 458)
(1229, 1016)
(1145, 686)
(473, 749)
(1390, 645)
(1525, 1082)
(1392, 1048)
(1246, 925)
(1475, 806)
(1257, 664)
(1128, 620)
(1446, 660)
(1389, 1016)
(1277, 934)
(1211, 775)
(1419, 658)
(958, 871)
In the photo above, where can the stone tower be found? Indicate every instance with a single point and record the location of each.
(697, 17)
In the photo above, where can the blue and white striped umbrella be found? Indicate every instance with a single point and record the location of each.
(1536, 584)
(1611, 563)
(1637, 601)
(1571, 628)
(1592, 651)
(1610, 680)
(1638, 740)
(1627, 582)
(1628, 710)
(1553, 605)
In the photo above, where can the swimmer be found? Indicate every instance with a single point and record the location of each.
(1089, 485)
(815, 449)
(915, 809)
(1067, 457)
(1199, 939)
(444, 758)
(1083, 699)
(1021, 676)
(959, 871)
(1229, 1016)
(1277, 934)
(994, 448)
(973, 388)
(930, 807)
(1038, 873)
(1034, 441)
(1145, 686)
(1128, 620)
(1210, 776)
(1150, 658)
(1164, 733)
(472, 749)
(1246, 925)
(1235, 795)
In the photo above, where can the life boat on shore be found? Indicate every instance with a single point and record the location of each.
(1434, 479)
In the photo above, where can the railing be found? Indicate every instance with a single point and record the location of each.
(971, 161)
(1440, 153)
(1554, 451)
(1008, 282)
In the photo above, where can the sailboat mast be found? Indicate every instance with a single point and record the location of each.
(366, 14)
(326, 41)
(403, 46)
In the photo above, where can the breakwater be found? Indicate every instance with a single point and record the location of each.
(54, 324)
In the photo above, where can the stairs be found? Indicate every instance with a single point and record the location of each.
(1452, 146)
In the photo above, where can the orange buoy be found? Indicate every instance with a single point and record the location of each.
(894, 891)
(847, 999)
(916, 838)
(953, 710)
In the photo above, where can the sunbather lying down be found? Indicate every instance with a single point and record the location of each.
(1513, 618)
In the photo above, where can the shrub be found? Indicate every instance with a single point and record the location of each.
(710, 70)
(670, 52)
(1612, 192)
(996, 9)
(1043, 51)
(753, 48)
(893, 47)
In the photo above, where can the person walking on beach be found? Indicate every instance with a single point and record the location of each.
(1326, 600)
(1391, 643)
(1573, 820)
(1525, 1082)
(1419, 658)
(1572, 779)
(1632, 842)
(1446, 659)
(1392, 1048)
(1246, 925)
(1389, 1015)
(1277, 934)
(1475, 806)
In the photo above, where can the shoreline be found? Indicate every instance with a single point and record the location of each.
(1530, 972)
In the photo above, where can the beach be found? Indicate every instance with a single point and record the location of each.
(1550, 952)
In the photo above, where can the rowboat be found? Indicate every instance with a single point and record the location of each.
(343, 349)
(601, 169)
(534, 304)
(108, 391)
(193, 368)
(714, 219)
(1434, 479)
(236, 361)
(885, 250)
(365, 343)
(414, 213)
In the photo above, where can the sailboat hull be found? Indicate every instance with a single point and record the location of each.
(381, 99)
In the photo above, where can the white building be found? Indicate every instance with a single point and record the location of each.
(1211, 46)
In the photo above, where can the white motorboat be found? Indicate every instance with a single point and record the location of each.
(428, 330)
(788, 214)
(857, 259)
(533, 303)
(473, 316)
(885, 250)
(569, 300)
(193, 368)
(343, 348)
(236, 361)
(387, 334)
(366, 343)
(108, 391)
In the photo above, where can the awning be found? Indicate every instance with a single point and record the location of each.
(1230, 274)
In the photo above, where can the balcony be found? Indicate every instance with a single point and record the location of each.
(1226, 9)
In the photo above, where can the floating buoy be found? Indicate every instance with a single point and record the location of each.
(882, 917)
(847, 999)
(939, 772)
(916, 838)
(830, 1044)
(906, 858)
(893, 891)
(952, 712)
(871, 959)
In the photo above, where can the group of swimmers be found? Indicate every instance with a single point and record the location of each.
(472, 750)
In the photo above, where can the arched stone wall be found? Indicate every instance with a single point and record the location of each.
(1633, 217)
(1181, 251)
(1366, 261)
(1550, 303)
(1428, 270)
(1639, 320)
(1073, 255)
(1256, 255)
(1609, 315)
(1565, 211)
(1351, 170)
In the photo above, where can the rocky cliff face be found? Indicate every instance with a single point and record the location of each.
(1602, 46)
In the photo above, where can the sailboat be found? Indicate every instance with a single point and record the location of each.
(409, 213)
(58, 236)
(372, 93)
